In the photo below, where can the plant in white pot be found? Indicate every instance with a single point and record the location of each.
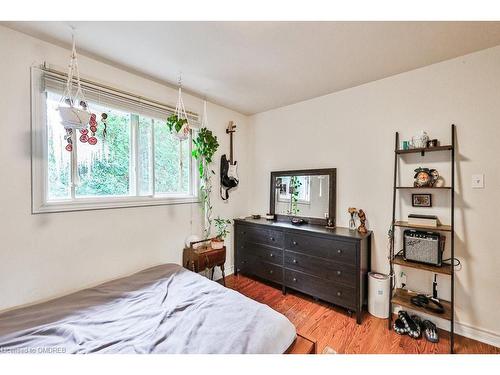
(221, 225)
(178, 122)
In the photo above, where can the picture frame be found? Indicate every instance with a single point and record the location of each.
(421, 200)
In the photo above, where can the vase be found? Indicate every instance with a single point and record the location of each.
(352, 223)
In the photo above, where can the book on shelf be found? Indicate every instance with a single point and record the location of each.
(423, 220)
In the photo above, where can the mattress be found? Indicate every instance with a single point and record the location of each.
(163, 309)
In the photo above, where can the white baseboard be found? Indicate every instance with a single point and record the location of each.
(462, 329)
(479, 334)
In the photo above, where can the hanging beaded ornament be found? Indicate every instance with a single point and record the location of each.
(93, 128)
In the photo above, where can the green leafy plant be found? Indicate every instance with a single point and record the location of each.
(295, 185)
(221, 227)
(175, 123)
(205, 146)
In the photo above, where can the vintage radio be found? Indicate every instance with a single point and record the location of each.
(423, 247)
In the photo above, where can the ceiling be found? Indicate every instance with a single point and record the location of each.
(255, 66)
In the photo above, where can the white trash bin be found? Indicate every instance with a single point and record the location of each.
(378, 294)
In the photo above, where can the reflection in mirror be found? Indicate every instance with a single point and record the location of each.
(302, 196)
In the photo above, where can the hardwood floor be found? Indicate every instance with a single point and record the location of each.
(331, 326)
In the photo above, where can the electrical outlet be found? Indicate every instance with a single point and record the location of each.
(478, 181)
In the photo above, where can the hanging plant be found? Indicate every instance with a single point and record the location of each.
(175, 124)
(178, 122)
(205, 146)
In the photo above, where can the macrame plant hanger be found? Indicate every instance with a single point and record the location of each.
(180, 112)
(72, 117)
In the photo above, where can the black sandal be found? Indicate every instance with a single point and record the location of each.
(418, 322)
(413, 328)
(399, 327)
(430, 331)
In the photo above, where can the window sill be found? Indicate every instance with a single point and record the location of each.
(87, 204)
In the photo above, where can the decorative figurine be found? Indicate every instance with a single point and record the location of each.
(425, 177)
(352, 222)
(362, 219)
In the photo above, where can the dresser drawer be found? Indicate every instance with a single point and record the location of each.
(326, 290)
(328, 270)
(260, 235)
(245, 263)
(268, 271)
(263, 252)
(329, 248)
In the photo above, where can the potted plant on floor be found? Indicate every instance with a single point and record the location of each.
(222, 232)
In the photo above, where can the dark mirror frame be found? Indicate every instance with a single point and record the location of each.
(332, 196)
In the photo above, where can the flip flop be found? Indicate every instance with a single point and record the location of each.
(418, 322)
(399, 327)
(430, 331)
(413, 328)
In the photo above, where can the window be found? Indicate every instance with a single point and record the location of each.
(303, 184)
(139, 163)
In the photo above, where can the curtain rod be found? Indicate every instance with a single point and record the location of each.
(115, 91)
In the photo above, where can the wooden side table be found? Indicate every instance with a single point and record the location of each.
(205, 257)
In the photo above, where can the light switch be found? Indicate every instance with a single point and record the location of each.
(478, 181)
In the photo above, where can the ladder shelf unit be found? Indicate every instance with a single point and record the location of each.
(401, 297)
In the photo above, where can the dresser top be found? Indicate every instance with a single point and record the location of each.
(336, 231)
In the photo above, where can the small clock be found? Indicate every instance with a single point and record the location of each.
(425, 177)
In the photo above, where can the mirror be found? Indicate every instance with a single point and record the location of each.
(308, 194)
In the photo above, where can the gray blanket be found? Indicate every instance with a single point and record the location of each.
(164, 309)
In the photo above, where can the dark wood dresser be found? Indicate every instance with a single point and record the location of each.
(328, 264)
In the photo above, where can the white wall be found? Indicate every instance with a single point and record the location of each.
(43, 256)
(353, 130)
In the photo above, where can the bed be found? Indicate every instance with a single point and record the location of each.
(163, 309)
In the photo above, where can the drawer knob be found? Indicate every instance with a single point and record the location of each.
(339, 251)
(271, 255)
(294, 243)
(339, 294)
(294, 261)
(271, 272)
(294, 280)
(339, 273)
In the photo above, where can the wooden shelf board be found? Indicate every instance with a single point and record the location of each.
(425, 149)
(441, 228)
(424, 188)
(402, 297)
(445, 269)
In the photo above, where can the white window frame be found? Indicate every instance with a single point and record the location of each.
(39, 168)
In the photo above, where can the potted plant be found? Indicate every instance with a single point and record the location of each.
(222, 232)
(178, 122)
(205, 145)
(177, 125)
